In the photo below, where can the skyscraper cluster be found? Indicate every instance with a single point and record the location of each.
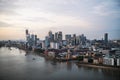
(75, 40)
(31, 39)
(58, 36)
(55, 40)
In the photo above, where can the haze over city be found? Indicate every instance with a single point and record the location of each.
(90, 17)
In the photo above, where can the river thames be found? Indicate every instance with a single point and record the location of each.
(16, 64)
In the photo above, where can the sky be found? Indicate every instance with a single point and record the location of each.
(92, 18)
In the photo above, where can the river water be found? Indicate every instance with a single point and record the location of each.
(16, 64)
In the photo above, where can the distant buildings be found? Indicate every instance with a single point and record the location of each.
(67, 37)
(72, 41)
(89, 51)
(31, 40)
(53, 40)
(92, 51)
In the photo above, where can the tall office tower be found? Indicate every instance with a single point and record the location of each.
(27, 38)
(50, 35)
(27, 35)
(74, 39)
(32, 40)
(27, 32)
(47, 42)
(83, 39)
(60, 36)
(56, 36)
(36, 39)
(106, 38)
(68, 38)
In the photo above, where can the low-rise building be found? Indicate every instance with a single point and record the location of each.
(118, 62)
(108, 61)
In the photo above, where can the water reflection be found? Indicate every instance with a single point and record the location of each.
(69, 66)
(54, 62)
(26, 53)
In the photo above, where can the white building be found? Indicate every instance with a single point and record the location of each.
(118, 62)
(54, 45)
(108, 61)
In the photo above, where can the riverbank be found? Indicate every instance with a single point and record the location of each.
(16, 66)
(79, 63)
(97, 66)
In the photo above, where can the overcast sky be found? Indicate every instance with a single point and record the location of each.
(90, 17)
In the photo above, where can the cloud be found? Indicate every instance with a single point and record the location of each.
(107, 8)
(3, 24)
(8, 7)
(69, 16)
(37, 19)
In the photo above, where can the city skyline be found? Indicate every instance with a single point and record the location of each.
(70, 17)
